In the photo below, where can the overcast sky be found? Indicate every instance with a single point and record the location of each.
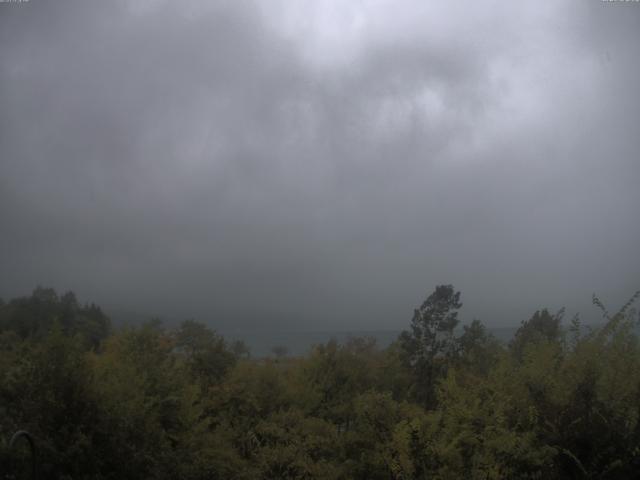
(320, 164)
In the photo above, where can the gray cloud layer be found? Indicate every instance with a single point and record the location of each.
(320, 164)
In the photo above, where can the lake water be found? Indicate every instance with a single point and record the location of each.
(260, 343)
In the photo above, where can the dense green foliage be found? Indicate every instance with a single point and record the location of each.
(441, 402)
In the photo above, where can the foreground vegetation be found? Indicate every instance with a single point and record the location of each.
(441, 402)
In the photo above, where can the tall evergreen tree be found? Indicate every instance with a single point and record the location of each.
(431, 340)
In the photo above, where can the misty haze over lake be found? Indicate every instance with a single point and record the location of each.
(314, 166)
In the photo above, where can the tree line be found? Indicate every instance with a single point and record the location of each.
(442, 402)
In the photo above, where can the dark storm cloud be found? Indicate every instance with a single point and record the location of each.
(319, 166)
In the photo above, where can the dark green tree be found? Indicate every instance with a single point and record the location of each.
(431, 341)
(477, 348)
(207, 355)
(542, 326)
(34, 316)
